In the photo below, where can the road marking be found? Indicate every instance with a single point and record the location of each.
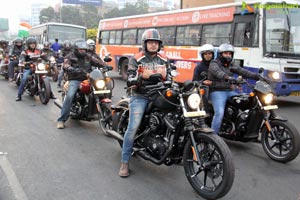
(12, 178)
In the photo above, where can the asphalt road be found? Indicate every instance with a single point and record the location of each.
(79, 162)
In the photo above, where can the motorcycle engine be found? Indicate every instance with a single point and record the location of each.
(155, 140)
(236, 119)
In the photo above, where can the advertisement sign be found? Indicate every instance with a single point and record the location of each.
(4, 24)
(81, 2)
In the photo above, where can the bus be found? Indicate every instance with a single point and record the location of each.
(264, 33)
(48, 32)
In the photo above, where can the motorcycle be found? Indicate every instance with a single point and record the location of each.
(248, 116)
(4, 62)
(173, 130)
(37, 83)
(53, 69)
(90, 102)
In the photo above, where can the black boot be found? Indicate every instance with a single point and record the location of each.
(18, 98)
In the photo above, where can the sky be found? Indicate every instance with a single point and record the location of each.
(15, 9)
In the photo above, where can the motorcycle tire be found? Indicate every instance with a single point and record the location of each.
(215, 176)
(287, 142)
(54, 74)
(45, 90)
(104, 118)
(117, 124)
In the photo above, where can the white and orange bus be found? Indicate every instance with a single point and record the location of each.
(265, 34)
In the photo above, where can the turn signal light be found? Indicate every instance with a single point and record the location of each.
(202, 91)
(251, 94)
(169, 93)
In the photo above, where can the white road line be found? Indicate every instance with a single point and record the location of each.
(12, 178)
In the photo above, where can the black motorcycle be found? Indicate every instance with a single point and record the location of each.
(90, 102)
(173, 130)
(37, 83)
(4, 62)
(250, 116)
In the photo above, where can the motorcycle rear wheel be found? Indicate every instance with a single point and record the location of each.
(104, 118)
(54, 74)
(286, 146)
(214, 178)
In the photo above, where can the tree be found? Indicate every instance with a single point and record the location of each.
(69, 15)
(90, 16)
(141, 7)
(46, 15)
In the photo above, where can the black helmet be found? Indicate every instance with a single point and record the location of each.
(151, 34)
(29, 41)
(80, 44)
(18, 41)
(225, 48)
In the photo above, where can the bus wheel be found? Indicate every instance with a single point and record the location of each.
(124, 68)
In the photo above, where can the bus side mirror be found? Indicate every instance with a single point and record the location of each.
(261, 70)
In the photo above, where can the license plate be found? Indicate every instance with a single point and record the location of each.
(295, 94)
(194, 114)
(101, 91)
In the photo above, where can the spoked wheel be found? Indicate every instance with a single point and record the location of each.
(285, 146)
(214, 176)
(104, 117)
(45, 90)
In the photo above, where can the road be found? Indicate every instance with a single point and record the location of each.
(79, 162)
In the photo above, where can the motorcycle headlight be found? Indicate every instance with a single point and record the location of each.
(41, 67)
(268, 98)
(193, 101)
(100, 84)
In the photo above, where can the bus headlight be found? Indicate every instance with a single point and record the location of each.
(41, 67)
(100, 84)
(274, 75)
(268, 98)
(193, 101)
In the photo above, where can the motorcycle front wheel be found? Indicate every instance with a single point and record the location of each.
(104, 117)
(285, 146)
(45, 90)
(213, 178)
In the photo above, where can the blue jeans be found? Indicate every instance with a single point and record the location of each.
(137, 108)
(218, 99)
(11, 68)
(60, 76)
(65, 110)
(26, 73)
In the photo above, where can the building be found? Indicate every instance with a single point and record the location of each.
(35, 13)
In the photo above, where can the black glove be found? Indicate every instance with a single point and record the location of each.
(232, 80)
(70, 69)
(131, 81)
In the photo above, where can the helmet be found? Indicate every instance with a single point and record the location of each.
(29, 41)
(206, 48)
(46, 45)
(80, 44)
(151, 34)
(91, 44)
(225, 48)
(67, 45)
(18, 41)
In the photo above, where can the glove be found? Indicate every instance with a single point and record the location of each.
(70, 69)
(131, 81)
(232, 80)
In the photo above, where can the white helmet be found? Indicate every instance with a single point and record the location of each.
(206, 48)
(90, 42)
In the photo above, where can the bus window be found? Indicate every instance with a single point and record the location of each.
(104, 37)
(242, 35)
(140, 33)
(167, 35)
(112, 37)
(129, 36)
(118, 37)
(216, 34)
(188, 35)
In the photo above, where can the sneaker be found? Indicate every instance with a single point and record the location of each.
(60, 125)
(18, 98)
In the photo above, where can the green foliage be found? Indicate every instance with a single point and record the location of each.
(47, 14)
(141, 7)
(92, 33)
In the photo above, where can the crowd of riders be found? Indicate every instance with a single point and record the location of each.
(213, 70)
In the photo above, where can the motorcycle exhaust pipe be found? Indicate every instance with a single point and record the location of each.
(58, 103)
(115, 135)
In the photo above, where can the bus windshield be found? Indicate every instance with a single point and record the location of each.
(282, 32)
(65, 33)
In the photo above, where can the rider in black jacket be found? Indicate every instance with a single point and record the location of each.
(16, 49)
(77, 65)
(220, 72)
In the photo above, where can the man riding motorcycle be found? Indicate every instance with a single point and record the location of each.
(16, 49)
(221, 75)
(66, 49)
(141, 67)
(77, 64)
